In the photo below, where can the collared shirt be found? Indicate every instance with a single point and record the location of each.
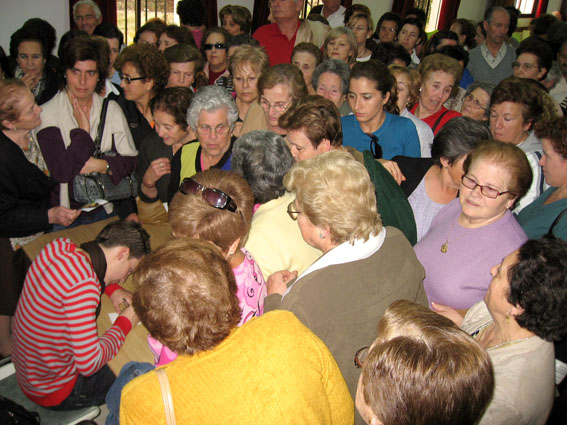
(336, 19)
(493, 61)
(277, 45)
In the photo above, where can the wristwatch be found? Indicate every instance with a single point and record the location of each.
(107, 168)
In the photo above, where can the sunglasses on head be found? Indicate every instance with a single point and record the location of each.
(214, 197)
(217, 46)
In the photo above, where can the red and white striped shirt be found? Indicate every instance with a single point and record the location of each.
(55, 335)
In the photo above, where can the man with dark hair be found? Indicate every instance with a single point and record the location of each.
(281, 37)
(492, 60)
(115, 40)
(59, 358)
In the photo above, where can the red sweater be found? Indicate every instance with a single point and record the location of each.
(447, 115)
(55, 335)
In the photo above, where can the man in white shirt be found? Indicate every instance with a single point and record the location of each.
(332, 11)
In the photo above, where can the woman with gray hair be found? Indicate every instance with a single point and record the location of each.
(431, 183)
(263, 158)
(212, 115)
(477, 101)
(330, 80)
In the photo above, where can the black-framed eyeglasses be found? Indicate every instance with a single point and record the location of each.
(487, 191)
(291, 212)
(214, 197)
(129, 79)
(218, 46)
(375, 147)
(360, 356)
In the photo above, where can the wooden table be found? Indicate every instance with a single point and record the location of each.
(135, 347)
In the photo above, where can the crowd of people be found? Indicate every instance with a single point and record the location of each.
(366, 224)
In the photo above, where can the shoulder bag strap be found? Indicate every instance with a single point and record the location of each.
(438, 121)
(166, 395)
(100, 129)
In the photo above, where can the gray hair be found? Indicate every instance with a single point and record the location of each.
(263, 159)
(210, 99)
(483, 85)
(334, 66)
(92, 4)
(490, 12)
(457, 138)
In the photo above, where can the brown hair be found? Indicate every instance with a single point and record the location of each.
(175, 101)
(422, 369)
(310, 48)
(148, 61)
(520, 91)
(318, 118)
(180, 34)
(180, 53)
(186, 295)
(351, 40)
(375, 71)
(255, 57)
(240, 16)
(508, 156)
(86, 49)
(190, 216)
(555, 131)
(414, 79)
(11, 94)
(439, 62)
(284, 73)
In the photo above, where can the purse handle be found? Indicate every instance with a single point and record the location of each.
(166, 395)
(100, 128)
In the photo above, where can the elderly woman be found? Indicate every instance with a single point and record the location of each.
(375, 124)
(472, 231)
(362, 27)
(545, 214)
(144, 73)
(263, 159)
(515, 107)
(340, 44)
(307, 57)
(432, 183)
(215, 50)
(365, 267)
(212, 115)
(440, 77)
(185, 63)
(451, 375)
(280, 87)
(235, 19)
(330, 80)
(477, 101)
(70, 125)
(174, 34)
(33, 62)
(534, 58)
(150, 32)
(408, 82)
(523, 312)
(169, 110)
(193, 309)
(246, 66)
(24, 193)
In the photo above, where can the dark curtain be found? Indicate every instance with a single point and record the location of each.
(261, 12)
(346, 3)
(212, 17)
(448, 13)
(107, 8)
(401, 6)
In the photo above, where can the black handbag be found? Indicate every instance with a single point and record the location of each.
(87, 188)
(12, 413)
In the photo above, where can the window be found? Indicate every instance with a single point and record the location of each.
(527, 7)
(132, 14)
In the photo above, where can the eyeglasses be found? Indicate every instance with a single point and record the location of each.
(387, 29)
(375, 147)
(206, 130)
(217, 46)
(475, 102)
(360, 357)
(214, 197)
(487, 191)
(524, 66)
(292, 214)
(278, 106)
(129, 79)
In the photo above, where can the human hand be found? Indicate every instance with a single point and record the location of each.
(133, 217)
(81, 114)
(94, 165)
(449, 312)
(62, 215)
(393, 169)
(277, 282)
(130, 314)
(30, 80)
(118, 297)
(158, 168)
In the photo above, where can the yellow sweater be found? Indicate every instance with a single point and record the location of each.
(272, 370)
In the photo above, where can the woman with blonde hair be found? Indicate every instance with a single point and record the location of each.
(364, 267)
(362, 27)
(341, 44)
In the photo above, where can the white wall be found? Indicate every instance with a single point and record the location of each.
(377, 7)
(13, 14)
(473, 10)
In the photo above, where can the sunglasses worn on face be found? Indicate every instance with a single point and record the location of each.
(217, 46)
(214, 197)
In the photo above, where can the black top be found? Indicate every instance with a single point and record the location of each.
(414, 170)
